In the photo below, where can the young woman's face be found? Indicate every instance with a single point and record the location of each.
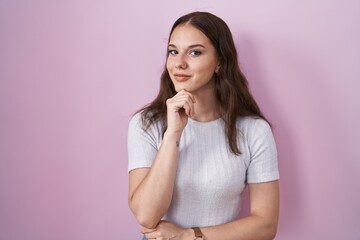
(192, 60)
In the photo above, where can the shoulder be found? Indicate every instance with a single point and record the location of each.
(138, 124)
(253, 126)
(136, 120)
(249, 122)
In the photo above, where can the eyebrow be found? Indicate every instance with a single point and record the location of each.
(189, 47)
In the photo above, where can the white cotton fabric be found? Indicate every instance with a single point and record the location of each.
(210, 179)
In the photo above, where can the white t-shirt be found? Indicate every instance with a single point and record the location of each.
(210, 179)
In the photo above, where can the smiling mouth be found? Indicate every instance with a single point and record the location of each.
(181, 77)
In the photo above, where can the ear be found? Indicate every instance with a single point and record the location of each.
(217, 68)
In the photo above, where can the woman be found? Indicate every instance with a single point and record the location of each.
(193, 149)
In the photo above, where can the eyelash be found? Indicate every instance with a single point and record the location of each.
(172, 52)
(196, 52)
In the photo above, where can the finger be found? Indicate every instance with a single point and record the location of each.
(185, 97)
(184, 92)
(190, 106)
(192, 97)
(177, 102)
(192, 109)
(181, 101)
(187, 109)
(145, 230)
(152, 235)
(174, 104)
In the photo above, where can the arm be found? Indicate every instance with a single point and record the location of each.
(261, 224)
(262, 221)
(151, 189)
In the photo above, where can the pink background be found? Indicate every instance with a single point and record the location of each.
(73, 72)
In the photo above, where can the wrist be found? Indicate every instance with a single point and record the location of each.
(189, 234)
(192, 234)
(172, 135)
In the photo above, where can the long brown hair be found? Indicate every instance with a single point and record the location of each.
(231, 87)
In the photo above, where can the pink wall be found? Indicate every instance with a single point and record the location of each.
(73, 72)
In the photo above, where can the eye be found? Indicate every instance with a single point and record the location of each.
(195, 53)
(172, 52)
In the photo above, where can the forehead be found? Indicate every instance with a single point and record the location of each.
(187, 34)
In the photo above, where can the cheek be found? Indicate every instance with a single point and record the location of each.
(208, 65)
(207, 69)
(168, 64)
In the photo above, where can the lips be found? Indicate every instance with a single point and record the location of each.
(182, 77)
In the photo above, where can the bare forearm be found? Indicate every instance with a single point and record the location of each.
(249, 228)
(152, 198)
(253, 227)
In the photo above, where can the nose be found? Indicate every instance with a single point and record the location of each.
(180, 62)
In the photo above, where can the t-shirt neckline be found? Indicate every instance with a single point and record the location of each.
(213, 123)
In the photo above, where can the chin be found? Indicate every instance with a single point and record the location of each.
(179, 88)
(186, 89)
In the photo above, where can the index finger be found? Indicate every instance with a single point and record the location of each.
(183, 91)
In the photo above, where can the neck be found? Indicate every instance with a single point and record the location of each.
(205, 107)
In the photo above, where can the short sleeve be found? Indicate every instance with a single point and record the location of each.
(263, 165)
(142, 145)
